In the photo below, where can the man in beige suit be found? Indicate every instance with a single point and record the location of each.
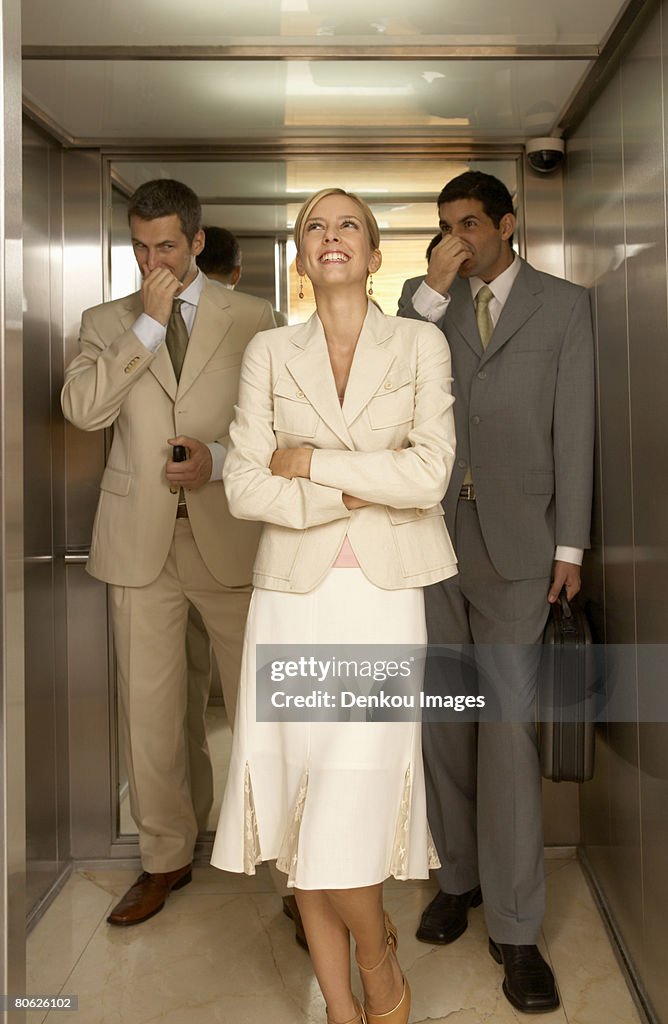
(164, 373)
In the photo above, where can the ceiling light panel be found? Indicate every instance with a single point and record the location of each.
(168, 23)
(203, 100)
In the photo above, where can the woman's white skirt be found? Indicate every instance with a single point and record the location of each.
(336, 804)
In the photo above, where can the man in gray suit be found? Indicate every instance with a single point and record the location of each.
(518, 509)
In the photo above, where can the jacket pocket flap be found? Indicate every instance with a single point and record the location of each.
(115, 480)
(411, 515)
(286, 387)
(398, 376)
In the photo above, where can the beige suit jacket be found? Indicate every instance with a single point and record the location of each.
(116, 381)
(398, 396)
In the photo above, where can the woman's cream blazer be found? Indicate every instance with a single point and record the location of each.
(398, 397)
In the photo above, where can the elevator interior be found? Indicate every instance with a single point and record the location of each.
(255, 106)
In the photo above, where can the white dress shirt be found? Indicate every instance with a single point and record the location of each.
(433, 306)
(152, 335)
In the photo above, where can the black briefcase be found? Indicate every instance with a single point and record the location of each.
(566, 695)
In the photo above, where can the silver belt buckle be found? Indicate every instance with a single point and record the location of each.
(467, 492)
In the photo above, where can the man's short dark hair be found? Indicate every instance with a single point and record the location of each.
(163, 197)
(495, 198)
(221, 252)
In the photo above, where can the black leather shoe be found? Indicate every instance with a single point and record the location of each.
(529, 982)
(446, 917)
(291, 910)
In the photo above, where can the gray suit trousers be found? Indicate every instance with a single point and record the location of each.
(483, 781)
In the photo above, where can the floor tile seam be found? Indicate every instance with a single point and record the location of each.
(547, 948)
(88, 875)
(561, 866)
(574, 997)
(441, 1019)
(265, 928)
(551, 962)
(411, 965)
(56, 1014)
(82, 952)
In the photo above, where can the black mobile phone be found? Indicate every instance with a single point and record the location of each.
(179, 453)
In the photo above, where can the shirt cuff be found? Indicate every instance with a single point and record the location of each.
(429, 303)
(150, 332)
(218, 453)
(564, 554)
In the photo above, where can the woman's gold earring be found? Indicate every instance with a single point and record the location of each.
(370, 284)
(301, 287)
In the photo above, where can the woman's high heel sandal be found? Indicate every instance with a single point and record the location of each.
(359, 1019)
(399, 1015)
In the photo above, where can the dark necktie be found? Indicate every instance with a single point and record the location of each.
(483, 316)
(177, 337)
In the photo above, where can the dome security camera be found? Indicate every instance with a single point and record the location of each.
(545, 155)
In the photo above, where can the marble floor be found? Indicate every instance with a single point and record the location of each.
(221, 952)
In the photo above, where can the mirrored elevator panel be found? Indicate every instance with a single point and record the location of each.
(47, 739)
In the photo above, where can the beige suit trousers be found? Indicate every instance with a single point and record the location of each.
(158, 714)
(200, 687)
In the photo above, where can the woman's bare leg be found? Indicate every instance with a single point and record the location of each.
(329, 916)
(329, 946)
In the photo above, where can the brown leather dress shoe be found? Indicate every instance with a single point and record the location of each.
(147, 896)
(291, 910)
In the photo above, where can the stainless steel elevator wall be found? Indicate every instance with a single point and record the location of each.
(68, 723)
(12, 702)
(86, 194)
(47, 790)
(615, 229)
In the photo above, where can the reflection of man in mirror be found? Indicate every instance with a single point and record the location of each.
(518, 508)
(161, 366)
(220, 260)
(413, 283)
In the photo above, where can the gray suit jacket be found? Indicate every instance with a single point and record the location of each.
(524, 417)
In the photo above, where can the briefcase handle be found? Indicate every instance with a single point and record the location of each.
(568, 620)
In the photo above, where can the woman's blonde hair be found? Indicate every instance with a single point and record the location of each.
(368, 218)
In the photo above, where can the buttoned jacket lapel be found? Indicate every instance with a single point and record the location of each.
(311, 369)
(522, 303)
(370, 365)
(212, 324)
(461, 315)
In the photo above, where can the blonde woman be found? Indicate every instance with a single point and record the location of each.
(342, 444)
